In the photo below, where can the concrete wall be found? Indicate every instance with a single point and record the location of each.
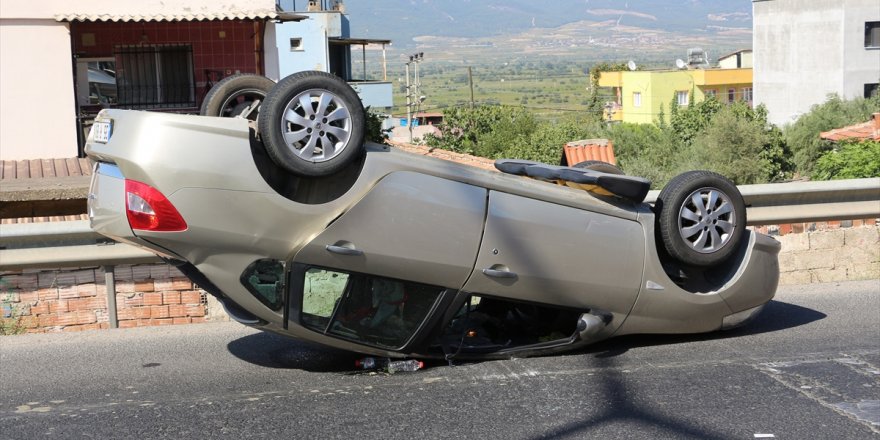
(281, 61)
(37, 105)
(807, 49)
(830, 255)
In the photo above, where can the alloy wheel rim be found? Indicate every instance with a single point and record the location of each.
(239, 97)
(707, 220)
(316, 125)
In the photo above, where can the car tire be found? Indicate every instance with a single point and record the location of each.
(233, 94)
(702, 218)
(312, 124)
(598, 165)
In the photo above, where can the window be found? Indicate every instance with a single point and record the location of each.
(637, 99)
(711, 93)
(364, 308)
(296, 44)
(731, 94)
(871, 89)
(872, 34)
(485, 324)
(263, 279)
(681, 97)
(747, 94)
(155, 76)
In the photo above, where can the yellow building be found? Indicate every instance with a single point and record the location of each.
(638, 95)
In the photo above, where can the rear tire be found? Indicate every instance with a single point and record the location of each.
(598, 165)
(229, 97)
(701, 218)
(312, 124)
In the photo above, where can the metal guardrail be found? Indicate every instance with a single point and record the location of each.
(74, 244)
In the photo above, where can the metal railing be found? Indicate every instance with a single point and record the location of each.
(74, 244)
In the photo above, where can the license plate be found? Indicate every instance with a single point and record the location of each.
(101, 131)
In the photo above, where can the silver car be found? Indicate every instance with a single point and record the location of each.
(303, 229)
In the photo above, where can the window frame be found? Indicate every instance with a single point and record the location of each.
(149, 86)
(731, 94)
(637, 99)
(679, 94)
(294, 313)
(872, 35)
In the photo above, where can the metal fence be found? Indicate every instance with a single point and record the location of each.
(74, 244)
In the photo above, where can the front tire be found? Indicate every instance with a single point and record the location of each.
(312, 124)
(702, 218)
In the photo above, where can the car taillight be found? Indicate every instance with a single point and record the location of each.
(149, 210)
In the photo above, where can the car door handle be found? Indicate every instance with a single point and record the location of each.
(495, 273)
(343, 250)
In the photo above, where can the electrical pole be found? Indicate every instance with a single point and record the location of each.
(471, 82)
(413, 90)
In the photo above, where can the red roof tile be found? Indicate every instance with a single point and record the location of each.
(863, 131)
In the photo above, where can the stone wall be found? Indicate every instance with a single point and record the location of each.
(828, 255)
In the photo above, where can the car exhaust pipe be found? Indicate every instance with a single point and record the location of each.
(590, 324)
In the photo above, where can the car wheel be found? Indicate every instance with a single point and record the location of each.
(312, 124)
(233, 94)
(598, 165)
(702, 217)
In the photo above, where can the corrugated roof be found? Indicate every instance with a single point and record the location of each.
(218, 15)
(16, 170)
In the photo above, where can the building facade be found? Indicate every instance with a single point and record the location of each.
(62, 62)
(639, 96)
(805, 50)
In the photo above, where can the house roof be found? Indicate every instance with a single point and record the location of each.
(865, 131)
(733, 53)
(23, 182)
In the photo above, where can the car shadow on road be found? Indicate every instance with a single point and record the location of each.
(776, 316)
(274, 351)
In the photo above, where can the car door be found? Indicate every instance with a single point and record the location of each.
(546, 253)
(393, 254)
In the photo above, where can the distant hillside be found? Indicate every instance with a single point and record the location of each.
(407, 22)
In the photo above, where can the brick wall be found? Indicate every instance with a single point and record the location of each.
(76, 300)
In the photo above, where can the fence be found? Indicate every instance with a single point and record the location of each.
(74, 244)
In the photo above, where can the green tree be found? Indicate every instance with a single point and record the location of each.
(803, 135)
(849, 160)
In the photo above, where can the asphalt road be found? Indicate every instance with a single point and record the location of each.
(808, 368)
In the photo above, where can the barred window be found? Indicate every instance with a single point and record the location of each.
(155, 76)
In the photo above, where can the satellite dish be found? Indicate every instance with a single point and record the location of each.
(680, 63)
(631, 65)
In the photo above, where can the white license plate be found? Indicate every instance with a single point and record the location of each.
(101, 131)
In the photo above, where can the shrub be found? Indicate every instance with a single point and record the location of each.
(803, 136)
(850, 160)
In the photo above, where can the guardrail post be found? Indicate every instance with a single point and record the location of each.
(110, 282)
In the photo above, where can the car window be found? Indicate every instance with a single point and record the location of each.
(264, 279)
(372, 310)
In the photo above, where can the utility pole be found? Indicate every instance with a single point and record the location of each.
(413, 90)
(471, 82)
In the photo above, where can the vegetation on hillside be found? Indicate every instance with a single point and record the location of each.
(803, 135)
(734, 140)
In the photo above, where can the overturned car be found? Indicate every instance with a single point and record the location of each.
(301, 228)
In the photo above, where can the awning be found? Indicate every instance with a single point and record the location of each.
(358, 41)
(219, 15)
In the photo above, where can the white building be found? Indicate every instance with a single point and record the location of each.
(807, 49)
(165, 55)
